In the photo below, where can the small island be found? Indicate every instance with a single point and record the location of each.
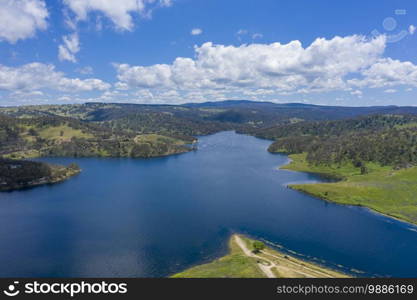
(19, 174)
(248, 258)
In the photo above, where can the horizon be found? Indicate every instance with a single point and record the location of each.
(209, 102)
(170, 52)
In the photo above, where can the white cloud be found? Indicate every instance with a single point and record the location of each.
(257, 36)
(69, 48)
(82, 85)
(390, 91)
(65, 99)
(20, 19)
(386, 72)
(26, 94)
(244, 32)
(412, 29)
(121, 86)
(358, 93)
(261, 71)
(284, 68)
(36, 76)
(87, 70)
(241, 33)
(120, 12)
(196, 31)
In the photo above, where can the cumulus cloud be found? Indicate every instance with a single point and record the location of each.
(196, 31)
(358, 93)
(20, 19)
(26, 94)
(119, 12)
(386, 72)
(69, 48)
(390, 91)
(268, 71)
(37, 76)
(283, 68)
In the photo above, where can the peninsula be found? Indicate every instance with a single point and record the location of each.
(19, 174)
(248, 258)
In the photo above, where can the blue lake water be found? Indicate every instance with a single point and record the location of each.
(156, 217)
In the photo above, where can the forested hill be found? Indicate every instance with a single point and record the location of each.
(17, 174)
(335, 127)
(28, 137)
(389, 140)
(200, 118)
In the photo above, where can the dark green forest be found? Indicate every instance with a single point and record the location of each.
(16, 174)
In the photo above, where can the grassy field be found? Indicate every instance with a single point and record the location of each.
(63, 132)
(388, 191)
(156, 138)
(238, 264)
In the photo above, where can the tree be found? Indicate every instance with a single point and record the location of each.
(32, 132)
(258, 246)
(364, 169)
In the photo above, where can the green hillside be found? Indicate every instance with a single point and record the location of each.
(60, 136)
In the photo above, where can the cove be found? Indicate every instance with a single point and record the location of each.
(156, 217)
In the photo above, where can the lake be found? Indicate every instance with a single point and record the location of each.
(156, 217)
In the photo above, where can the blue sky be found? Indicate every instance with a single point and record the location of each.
(174, 51)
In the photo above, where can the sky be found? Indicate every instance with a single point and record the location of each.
(349, 53)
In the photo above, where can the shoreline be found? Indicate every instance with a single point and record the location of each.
(29, 157)
(41, 182)
(287, 167)
(370, 209)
